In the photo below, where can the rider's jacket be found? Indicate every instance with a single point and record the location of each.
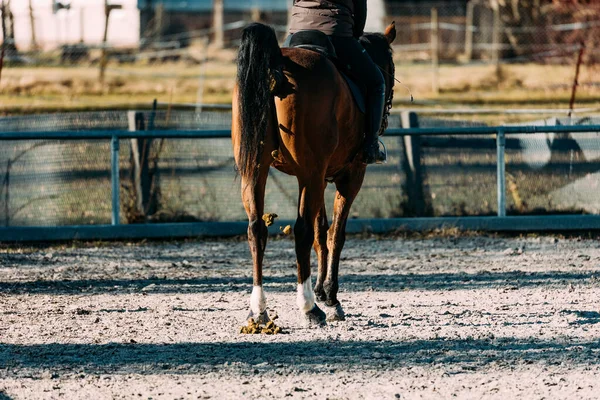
(332, 17)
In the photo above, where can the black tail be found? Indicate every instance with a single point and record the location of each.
(259, 53)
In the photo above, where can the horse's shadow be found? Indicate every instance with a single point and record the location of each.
(284, 282)
(456, 355)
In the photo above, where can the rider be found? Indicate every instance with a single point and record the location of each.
(343, 21)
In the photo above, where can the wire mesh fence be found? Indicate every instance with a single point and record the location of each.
(466, 30)
(542, 31)
(56, 183)
(512, 52)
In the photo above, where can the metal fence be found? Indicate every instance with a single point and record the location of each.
(490, 30)
(183, 67)
(119, 175)
(466, 30)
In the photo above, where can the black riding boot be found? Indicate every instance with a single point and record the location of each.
(375, 103)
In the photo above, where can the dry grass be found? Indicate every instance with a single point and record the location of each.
(26, 89)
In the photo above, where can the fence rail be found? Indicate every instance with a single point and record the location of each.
(121, 231)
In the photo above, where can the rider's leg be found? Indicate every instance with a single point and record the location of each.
(351, 53)
(376, 102)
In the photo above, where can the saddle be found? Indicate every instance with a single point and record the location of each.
(319, 42)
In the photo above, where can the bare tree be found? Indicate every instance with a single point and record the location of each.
(543, 24)
(8, 28)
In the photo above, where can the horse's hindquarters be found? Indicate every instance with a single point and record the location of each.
(319, 124)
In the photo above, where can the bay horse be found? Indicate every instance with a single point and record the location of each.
(293, 110)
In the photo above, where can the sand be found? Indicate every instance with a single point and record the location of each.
(441, 317)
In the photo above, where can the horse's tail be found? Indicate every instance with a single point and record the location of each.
(258, 56)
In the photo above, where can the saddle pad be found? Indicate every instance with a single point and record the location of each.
(319, 42)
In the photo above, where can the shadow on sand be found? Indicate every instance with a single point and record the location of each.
(462, 354)
(348, 283)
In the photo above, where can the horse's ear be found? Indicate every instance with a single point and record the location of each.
(390, 32)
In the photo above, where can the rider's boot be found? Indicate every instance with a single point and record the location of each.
(376, 103)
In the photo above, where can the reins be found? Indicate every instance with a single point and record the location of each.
(397, 80)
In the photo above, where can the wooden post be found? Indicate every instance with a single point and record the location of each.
(103, 59)
(255, 14)
(496, 42)
(469, 32)
(140, 172)
(160, 21)
(3, 51)
(435, 51)
(81, 24)
(202, 78)
(219, 38)
(34, 45)
(576, 78)
(419, 198)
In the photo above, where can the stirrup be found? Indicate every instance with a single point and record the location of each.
(380, 157)
(384, 153)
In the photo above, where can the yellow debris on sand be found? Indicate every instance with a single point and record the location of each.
(269, 218)
(254, 328)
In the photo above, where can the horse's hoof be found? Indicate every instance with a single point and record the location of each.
(261, 318)
(315, 317)
(335, 313)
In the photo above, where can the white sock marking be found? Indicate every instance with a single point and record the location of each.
(258, 301)
(305, 297)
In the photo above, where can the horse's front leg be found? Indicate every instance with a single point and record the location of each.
(310, 203)
(348, 187)
(253, 196)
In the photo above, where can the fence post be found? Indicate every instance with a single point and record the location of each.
(469, 32)
(116, 184)
(141, 174)
(419, 199)
(496, 43)
(202, 78)
(138, 158)
(219, 36)
(501, 172)
(435, 51)
(34, 44)
(108, 8)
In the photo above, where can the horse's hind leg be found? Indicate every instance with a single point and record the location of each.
(348, 187)
(320, 246)
(310, 202)
(253, 196)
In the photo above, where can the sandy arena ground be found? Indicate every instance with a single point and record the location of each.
(467, 317)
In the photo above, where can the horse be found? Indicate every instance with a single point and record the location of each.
(293, 110)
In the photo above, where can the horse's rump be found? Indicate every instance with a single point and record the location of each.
(316, 113)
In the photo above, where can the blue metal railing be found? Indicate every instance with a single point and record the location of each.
(562, 222)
